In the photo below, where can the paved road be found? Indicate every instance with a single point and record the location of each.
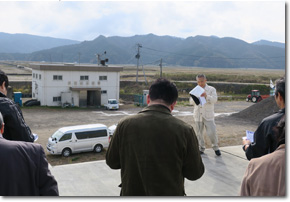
(222, 177)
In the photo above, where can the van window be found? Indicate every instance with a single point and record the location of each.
(91, 134)
(65, 137)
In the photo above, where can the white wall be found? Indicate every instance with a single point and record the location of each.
(49, 88)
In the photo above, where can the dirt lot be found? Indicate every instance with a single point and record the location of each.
(45, 121)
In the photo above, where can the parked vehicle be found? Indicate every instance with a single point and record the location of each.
(32, 102)
(256, 97)
(112, 104)
(80, 138)
(111, 130)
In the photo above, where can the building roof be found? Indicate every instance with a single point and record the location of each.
(75, 67)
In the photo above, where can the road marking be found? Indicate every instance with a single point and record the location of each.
(174, 113)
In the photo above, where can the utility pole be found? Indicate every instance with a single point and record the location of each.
(138, 56)
(79, 57)
(160, 68)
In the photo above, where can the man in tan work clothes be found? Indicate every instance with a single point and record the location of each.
(204, 116)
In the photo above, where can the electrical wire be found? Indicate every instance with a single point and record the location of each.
(199, 56)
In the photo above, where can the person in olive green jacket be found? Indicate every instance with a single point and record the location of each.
(154, 150)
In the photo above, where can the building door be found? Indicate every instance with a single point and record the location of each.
(93, 98)
(83, 98)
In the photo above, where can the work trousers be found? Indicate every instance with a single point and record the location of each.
(210, 128)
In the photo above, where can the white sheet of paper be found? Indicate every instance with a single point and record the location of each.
(35, 137)
(197, 91)
(250, 135)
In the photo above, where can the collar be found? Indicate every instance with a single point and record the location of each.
(2, 95)
(156, 107)
(282, 110)
(281, 146)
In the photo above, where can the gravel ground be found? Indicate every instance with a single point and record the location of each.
(45, 121)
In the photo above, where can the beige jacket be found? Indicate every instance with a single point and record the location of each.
(266, 176)
(207, 110)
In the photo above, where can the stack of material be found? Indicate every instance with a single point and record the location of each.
(257, 112)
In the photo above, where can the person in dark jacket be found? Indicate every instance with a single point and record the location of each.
(24, 169)
(264, 137)
(154, 150)
(15, 126)
(266, 175)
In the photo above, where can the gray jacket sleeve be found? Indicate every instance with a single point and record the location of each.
(113, 155)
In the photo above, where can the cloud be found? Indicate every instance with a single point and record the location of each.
(86, 20)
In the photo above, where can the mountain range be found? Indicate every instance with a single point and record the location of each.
(198, 51)
(26, 43)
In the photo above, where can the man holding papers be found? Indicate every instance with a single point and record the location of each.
(204, 97)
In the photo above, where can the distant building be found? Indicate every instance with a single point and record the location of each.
(75, 84)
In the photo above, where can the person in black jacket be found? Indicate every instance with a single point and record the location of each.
(24, 169)
(15, 126)
(264, 137)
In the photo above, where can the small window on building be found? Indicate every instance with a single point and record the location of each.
(39, 76)
(84, 78)
(102, 78)
(36, 76)
(103, 92)
(56, 99)
(57, 77)
(33, 75)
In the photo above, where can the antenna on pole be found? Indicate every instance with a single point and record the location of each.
(138, 57)
(103, 62)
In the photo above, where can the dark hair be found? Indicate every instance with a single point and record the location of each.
(3, 77)
(280, 131)
(200, 76)
(164, 90)
(280, 88)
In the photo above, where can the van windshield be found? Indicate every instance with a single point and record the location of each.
(57, 135)
(113, 101)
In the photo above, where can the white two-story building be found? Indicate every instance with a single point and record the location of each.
(75, 84)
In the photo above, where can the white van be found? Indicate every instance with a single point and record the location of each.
(112, 104)
(76, 139)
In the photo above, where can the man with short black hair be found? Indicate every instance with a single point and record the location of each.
(264, 137)
(15, 126)
(154, 150)
(24, 169)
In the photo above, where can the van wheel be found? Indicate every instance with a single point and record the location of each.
(66, 152)
(98, 148)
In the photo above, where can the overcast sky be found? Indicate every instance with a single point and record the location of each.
(86, 20)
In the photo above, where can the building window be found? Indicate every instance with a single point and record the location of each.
(36, 76)
(102, 78)
(56, 99)
(84, 78)
(103, 92)
(33, 75)
(39, 76)
(57, 77)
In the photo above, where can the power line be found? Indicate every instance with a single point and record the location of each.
(199, 56)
